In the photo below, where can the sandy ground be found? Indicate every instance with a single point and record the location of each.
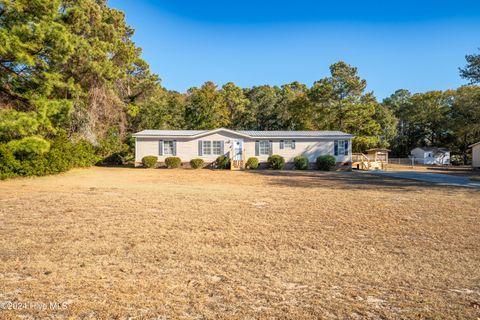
(107, 243)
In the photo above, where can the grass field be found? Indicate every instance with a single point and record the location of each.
(168, 244)
(465, 171)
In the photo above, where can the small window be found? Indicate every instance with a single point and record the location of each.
(207, 147)
(264, 147)
(167, 147)
(217, 147)
(288, 144)
(341, 147)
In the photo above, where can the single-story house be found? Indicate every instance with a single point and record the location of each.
(431, 155)
(241, 144)
(476, 155)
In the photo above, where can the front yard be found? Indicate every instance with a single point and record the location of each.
(193, 244)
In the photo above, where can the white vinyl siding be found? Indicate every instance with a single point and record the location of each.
(189, 148)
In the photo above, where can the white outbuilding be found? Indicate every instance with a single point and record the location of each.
(431, 155)
(476, 155)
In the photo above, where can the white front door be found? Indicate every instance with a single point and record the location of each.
(237, 149)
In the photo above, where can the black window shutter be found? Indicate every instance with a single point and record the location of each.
(281, 144)
(257, 148)
(335, 151)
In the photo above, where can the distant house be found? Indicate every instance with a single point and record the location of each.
(240, 145)
(476, 155)
(431, 155)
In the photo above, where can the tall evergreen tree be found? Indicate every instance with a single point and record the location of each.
(471, 71)
(206, 108)
(341, 103)
(236, 103)
(464, 119)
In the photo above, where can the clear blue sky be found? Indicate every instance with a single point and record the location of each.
(417, 45)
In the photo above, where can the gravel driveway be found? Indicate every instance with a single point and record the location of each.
(434, 178)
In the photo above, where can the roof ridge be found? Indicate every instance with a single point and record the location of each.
(249, 133)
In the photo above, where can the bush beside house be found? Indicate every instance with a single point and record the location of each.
(326, 162)
(252, 163)
(196, 163)
(149, 161)
(300, 162)
(222, 162)
(173, 162)
(276, 162)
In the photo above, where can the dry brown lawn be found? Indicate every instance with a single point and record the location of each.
(465, 171)
(199, 244)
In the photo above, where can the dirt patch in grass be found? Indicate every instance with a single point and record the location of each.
(194, 244)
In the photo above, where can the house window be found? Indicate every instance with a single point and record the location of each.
(207, 147)
(341, 147)
(217, 147)
(264, 147)
(288, 144)
(211, 147)
(167, 147)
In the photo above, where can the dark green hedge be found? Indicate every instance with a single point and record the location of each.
(62, 156)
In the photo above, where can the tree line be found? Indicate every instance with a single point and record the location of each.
(340, 101)
(73, 88)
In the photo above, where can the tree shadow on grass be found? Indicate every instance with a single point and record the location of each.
(342, 180)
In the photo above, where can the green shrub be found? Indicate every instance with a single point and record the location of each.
(173, 162)
(222, 162)
(83, 154)
(326, 162)
(111, 143)
(300, 162)
(61, 156)
(8, 163)
(149, 161)
(29, 147)
(276, 162)
(196, 163)
(129, 159)
(252, 163)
